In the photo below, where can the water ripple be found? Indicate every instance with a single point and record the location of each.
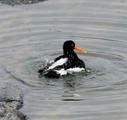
(31, 34)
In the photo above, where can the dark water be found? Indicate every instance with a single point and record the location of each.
(29, 34)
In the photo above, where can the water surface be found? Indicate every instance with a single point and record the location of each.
(29, 34)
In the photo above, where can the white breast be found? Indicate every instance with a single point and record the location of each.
(74, 70)
(69, 71)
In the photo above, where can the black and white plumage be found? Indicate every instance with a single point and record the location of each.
(67, 63)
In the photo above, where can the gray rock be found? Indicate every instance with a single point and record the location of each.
(11, 100)
(19, 2)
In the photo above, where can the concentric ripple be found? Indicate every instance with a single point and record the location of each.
(30, 35)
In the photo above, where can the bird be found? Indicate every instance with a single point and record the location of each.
(67, 63)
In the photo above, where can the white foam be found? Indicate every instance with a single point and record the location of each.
(57, 63)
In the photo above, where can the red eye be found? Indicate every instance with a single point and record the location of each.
(72, 45)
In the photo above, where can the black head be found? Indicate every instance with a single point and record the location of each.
(68, 45)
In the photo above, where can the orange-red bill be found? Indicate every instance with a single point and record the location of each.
(81, 50)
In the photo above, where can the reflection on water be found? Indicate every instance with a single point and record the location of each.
(31, 34)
